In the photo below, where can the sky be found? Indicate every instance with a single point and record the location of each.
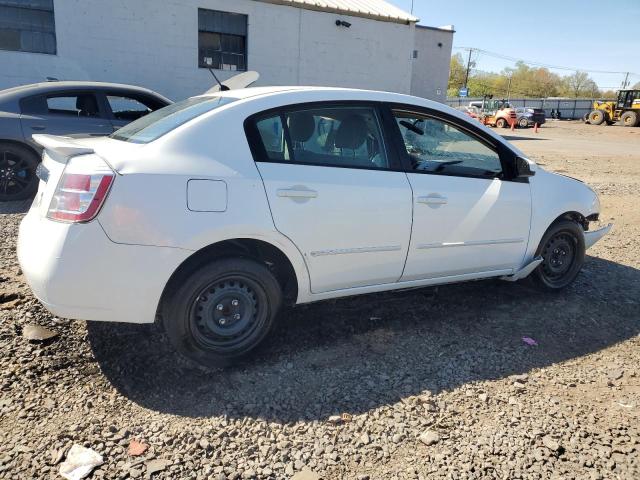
(588, 35)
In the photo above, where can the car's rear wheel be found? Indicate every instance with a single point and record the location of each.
(562, 250)
(18, 179)
(222, 311)
(523, 123)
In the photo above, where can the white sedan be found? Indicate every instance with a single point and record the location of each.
(210, 213)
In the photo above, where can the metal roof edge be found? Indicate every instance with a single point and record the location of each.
(344, 11)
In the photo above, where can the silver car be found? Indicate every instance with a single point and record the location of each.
(60, 108)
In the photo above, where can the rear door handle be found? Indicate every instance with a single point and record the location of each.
(296, 192)
(38, 127)
(433, 199)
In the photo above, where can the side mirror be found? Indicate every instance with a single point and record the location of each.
(523, 169)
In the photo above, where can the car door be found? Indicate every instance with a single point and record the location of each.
(470, 216)
(125, 108)
(64, 113)
(336, 191)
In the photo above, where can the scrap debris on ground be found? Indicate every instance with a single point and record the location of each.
(479, 380)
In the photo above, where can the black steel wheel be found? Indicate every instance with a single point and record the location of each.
(562, 249)
(18, 179)
(222, 311)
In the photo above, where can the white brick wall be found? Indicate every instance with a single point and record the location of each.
(430, 73)
(155, 44)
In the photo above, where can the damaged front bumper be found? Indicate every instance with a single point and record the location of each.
(590, 238)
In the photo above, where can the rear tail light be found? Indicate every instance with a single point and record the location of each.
(82, 190)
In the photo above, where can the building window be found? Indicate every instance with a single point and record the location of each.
(27, 26)
(222, 40)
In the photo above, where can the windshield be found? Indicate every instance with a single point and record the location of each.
(158, 123)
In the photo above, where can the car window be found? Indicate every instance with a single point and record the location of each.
(435, 146)
(158, 123)
(338, 136)
(127, 108)
(80, 105)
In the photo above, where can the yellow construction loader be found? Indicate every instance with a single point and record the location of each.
(626, 109)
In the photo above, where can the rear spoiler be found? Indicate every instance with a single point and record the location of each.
(65, 146)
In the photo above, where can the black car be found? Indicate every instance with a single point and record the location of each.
(528, 117)
(60, 108)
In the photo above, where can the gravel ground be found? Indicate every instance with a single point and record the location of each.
(430, 383)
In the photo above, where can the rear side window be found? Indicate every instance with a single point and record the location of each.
(127, 108)
(158, 123)
(81, 105)
(334, 136)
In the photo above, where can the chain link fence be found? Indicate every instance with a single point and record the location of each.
(571, 108)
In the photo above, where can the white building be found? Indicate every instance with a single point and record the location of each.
(163, 45)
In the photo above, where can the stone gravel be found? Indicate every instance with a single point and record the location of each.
(430, 383)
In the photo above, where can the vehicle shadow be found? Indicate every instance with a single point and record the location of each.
(355, 354)
(20, 206)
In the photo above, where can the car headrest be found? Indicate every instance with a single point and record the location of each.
(87, 104)
(301, 126)
(352, 132)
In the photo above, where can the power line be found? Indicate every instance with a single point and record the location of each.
(540, 64)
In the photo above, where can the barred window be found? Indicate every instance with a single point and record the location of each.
(222, 40)
(27, 26)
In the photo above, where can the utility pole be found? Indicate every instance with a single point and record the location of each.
(509, 88)
(466, 77)
(626, 81)
(411, 7)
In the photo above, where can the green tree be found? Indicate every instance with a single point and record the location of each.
(457, 72)
(580, 85)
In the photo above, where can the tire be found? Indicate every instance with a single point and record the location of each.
(585, 118)
(523, 123)
(562, 249)
(597, 117)
(629, 119)
(18, 179)
(222, 311)
(502, 123)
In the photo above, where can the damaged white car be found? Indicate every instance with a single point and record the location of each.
(210, 213)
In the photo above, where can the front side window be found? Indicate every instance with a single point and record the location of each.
(222, 40)
(158, 123)
(27, 26)
(434, 146)
(330, 136)
(81, 105)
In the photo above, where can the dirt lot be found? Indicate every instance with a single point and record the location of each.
(433, 383)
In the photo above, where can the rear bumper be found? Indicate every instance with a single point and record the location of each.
(77, 272)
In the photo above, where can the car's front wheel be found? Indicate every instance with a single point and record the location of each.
(562, 250)
(523, 123)
(18, 179)
(222, 311)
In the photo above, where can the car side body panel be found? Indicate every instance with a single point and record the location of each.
(147, 226)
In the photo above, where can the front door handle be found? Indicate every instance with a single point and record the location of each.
(296, 192)
(38, 128)
(433, 199)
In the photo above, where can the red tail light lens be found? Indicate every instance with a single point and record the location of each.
(82, 190)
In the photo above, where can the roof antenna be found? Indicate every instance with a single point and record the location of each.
(223, 88)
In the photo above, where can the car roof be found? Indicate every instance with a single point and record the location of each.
(56, 86)
(295, 94)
